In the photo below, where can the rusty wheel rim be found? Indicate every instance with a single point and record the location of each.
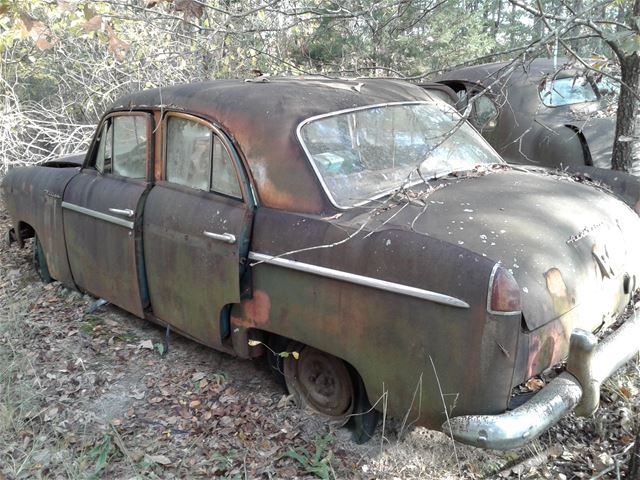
(320, 381)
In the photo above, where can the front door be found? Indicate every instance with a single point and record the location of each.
(195, 229)
(102, 212)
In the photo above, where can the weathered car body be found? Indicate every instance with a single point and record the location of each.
(539, 112)
(461, 283)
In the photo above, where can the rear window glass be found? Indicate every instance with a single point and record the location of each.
(365, 153)
(567, 91)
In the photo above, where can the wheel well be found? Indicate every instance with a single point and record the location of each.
(24, 231)
(276, 344)
(583, 143)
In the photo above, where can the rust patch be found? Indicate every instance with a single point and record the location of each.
(555, 283)
(546, 348)
(255, 311)
(562, 299)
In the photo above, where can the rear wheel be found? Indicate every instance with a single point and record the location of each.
(320, 381)
(365, 419)
(331, 387)
(40, 261)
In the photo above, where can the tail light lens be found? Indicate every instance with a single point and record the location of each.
(504, 292)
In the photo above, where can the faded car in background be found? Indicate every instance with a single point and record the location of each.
(541, 112)
(358, 224)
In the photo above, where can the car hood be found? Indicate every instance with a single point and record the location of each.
(546, 229)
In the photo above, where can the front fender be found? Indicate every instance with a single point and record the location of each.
(33, 196)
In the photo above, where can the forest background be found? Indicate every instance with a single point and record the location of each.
(63, 62)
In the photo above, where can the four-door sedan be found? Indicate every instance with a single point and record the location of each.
(540, 113)
(363, 226)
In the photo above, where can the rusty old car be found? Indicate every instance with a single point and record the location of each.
(545, 112)
(358, 223)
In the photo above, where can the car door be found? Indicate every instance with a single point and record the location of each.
(196, 230)
(102, 212)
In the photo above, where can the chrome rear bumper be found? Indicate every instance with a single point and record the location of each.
(589, 364)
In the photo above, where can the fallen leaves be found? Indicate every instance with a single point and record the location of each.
(159, 459)
(534, 384)
(146, 344)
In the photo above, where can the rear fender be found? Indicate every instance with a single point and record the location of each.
(622, 184)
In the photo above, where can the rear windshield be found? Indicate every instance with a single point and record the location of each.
(567, 91)
(365, 153)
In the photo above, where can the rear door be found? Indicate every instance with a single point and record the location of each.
(196, 230)
(102, 212)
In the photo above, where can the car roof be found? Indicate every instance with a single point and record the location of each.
(530, 72)
(261, 115)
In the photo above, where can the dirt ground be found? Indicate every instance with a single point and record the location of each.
(89, 395)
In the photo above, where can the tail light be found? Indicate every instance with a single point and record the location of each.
(504, 292)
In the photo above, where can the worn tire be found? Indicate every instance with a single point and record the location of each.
(321, 382)
(364, 420)
(40, 261)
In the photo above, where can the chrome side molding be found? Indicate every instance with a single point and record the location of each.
(360, 280)
(99, 215)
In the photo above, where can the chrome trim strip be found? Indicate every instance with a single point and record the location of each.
(99, 215)
(360, 280)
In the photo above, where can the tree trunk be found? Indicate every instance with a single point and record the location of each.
(626, 148)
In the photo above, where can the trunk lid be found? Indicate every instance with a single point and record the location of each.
(566, 243)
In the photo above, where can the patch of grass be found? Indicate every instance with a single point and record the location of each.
(127, 338)
(101, 453)
(90, 323)
(318, 463)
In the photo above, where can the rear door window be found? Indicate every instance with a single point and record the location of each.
(197, 157)
(188, 153)
(223, 174)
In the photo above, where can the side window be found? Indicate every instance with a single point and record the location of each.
(103, 158)
(197, 158)
(188, 153)
(129, 146)
(223, 174)
(485, 113)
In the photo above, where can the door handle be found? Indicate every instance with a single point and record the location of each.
(225, 237)
(127, 212)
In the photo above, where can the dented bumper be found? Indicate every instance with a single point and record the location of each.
(589, 364)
